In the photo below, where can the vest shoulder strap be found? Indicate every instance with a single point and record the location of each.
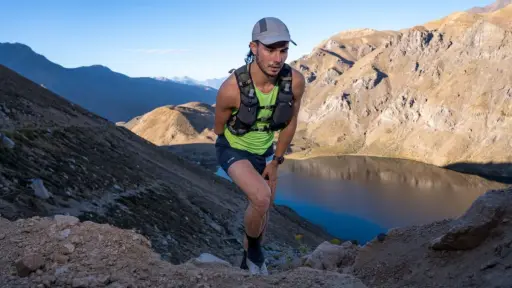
(244, 81)
(285, 79)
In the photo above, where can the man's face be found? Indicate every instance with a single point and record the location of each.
(270, 58)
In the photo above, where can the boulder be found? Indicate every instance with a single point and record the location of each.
(65, 220)
(28, 264)
(6, 141)
(475, 225)
(39, 189)
(328, 256)
(206, 259)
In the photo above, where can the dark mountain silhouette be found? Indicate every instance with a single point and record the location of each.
(112, 95)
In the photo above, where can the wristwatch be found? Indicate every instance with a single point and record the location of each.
(279, 159)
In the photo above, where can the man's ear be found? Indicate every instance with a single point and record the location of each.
(254, 47)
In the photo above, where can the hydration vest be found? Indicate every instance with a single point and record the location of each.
(245, 118)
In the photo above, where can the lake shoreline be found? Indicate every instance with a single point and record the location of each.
(203, 154)
(486, 170)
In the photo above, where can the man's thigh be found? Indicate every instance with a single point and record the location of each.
(245, 176)
(245, 170)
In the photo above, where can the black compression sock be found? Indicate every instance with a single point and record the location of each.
(254, 252)
(253, 241)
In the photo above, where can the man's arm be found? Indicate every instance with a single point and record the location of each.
(224, 104)
(286, 135)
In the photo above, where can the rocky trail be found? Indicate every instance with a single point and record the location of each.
(474, 250)
(63, 252)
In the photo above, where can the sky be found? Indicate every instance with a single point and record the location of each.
(196, 38)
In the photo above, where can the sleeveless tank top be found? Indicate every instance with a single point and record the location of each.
(256, 142)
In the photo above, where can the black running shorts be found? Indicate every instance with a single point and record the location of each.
(227, 155)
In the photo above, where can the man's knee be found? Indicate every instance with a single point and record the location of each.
(261, 199)
(247, 178)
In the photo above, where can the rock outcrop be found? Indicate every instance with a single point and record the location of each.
(332, 257)
(472, 228)
(439, 93)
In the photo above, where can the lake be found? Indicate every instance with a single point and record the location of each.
(358, 197)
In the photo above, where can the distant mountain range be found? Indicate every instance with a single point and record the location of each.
(109, 94)
(214, 82)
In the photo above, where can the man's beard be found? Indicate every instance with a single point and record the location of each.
(263, 68)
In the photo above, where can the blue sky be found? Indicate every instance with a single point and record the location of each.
(198, 38)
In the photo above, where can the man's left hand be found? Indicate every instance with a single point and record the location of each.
(270, 175)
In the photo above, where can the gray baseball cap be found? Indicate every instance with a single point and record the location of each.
(270, 30)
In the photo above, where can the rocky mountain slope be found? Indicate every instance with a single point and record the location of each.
(58, 158)
(186, 130)
(499, 4)
(100, 90)
(440, 93)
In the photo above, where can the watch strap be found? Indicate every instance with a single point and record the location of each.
(279, 159)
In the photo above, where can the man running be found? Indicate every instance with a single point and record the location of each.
(256, 100)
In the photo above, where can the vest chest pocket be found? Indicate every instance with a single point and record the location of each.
(283, 113)
(247, 112)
